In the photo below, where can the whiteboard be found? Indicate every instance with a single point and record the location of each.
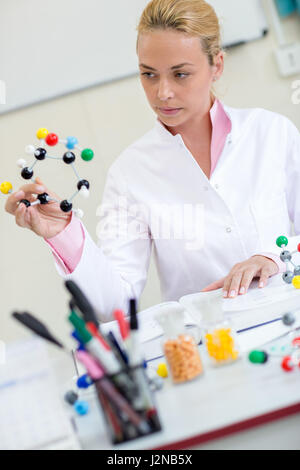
(241, 20)
(50, 48)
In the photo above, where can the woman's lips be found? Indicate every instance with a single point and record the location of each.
(170, 111)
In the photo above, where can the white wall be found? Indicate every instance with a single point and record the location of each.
(107, 118)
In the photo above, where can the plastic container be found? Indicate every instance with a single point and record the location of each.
(218, 335)
(179, 346)
(196, 304)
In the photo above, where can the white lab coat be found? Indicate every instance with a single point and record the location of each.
(198, 228)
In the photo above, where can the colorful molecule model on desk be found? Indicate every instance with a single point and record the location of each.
(289, 360)
(292, 273)
(39, 152)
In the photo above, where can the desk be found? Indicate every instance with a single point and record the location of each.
(241, 405)
(221, 409)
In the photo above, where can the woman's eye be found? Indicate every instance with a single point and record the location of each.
(183, 75)
(146, 74)
(177, 75)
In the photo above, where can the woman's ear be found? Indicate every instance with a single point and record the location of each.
(218, 66)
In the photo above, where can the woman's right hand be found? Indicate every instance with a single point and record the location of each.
(46, 220)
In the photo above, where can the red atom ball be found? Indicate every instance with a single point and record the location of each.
(296, 342)
(287, 364)
(51, 139)
(298, 247)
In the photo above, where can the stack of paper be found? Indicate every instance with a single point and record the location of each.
(32, 415)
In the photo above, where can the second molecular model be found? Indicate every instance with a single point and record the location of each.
(292, 273)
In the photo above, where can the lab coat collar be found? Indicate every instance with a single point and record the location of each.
(167, 136)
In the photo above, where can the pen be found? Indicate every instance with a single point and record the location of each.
(97, 374)
(118, 350)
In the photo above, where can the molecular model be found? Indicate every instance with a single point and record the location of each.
(292, 274)
(289, 353)
(40, 153)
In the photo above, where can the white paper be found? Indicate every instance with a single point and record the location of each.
(32, 415)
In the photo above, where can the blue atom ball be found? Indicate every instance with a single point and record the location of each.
(71, 142)
(81, 407)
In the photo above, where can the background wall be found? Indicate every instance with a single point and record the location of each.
(107, 118)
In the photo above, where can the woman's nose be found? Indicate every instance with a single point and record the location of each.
(164, 90)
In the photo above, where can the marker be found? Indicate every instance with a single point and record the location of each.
(135, 359)
(82, 303)
(92, 328)
(74, 335)
(97, 374)
(41, 330)
(106, 357)
(112, 420)
(123, 324)
(37, 327)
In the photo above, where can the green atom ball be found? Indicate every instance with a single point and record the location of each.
(258, 357)
(281, 241)
(87, 155)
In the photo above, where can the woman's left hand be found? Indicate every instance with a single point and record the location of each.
(241, 275)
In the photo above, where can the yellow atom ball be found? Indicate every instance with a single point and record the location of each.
(162, 370)
(296, 282)
(42, 133)
(6, 187)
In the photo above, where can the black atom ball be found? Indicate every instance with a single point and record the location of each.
(83, 183)
(71, 397)
(69, 157)
(40, 153)
(43, 198)
(66, 206)
(26, 173)
(26, 202)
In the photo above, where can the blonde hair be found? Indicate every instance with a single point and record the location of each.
(193, 17)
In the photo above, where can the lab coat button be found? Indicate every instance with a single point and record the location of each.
(217, 186)
(228, 229)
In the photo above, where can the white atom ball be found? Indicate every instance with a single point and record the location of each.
(78, 213)
(30, 149)
(84, 192)
(21, 163)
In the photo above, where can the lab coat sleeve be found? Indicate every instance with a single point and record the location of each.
(292, 187)
(293, 183)
(291, 168)
(114, 269)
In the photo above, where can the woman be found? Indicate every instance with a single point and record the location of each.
(207, 187)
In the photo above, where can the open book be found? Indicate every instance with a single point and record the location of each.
(256, 307)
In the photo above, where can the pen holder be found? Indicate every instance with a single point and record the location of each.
(127, 418)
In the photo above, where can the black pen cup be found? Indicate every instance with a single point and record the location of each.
(127, 417)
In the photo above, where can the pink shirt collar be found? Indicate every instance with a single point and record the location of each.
(221, 127)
